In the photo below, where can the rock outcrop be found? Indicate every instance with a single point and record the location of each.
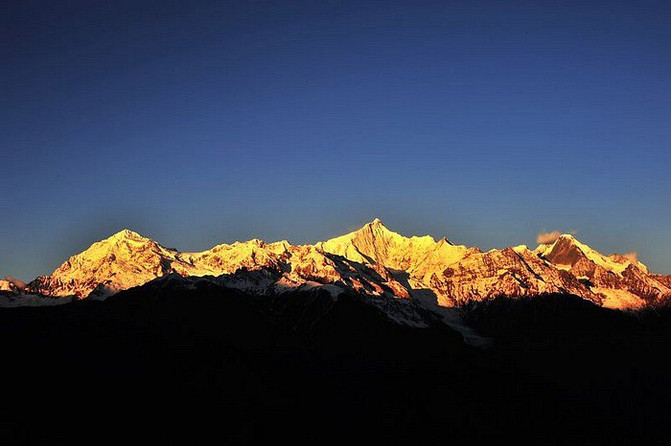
(372, 260)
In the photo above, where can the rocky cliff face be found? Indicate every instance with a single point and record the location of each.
(126, 260)
(666, 280)
(619, 281)
(512, 272)
(454, 274)
(8, 287)
(372, 260)
(119, 262)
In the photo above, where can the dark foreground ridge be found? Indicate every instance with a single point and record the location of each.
(209, 364)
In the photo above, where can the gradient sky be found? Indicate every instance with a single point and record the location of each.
(197, 123)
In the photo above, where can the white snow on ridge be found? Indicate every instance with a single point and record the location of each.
(31, 300)
(372, 260)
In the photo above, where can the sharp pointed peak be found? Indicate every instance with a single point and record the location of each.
(128, 232)
(445, 240)
(566, 238)
(375, 222)
(373, 228)
(572, 239)
(125, 234)
(550, 238)
(375, 225)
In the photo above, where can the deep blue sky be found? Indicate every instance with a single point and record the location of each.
(199, 123)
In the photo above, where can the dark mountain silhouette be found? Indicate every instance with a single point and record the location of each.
(180, 361)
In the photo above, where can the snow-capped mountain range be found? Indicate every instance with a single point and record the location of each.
(372, 261)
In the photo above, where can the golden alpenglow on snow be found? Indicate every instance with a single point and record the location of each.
(373, 261)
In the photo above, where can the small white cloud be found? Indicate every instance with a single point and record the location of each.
(545, 238)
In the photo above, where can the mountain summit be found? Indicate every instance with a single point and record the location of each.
(121, 261)
(620, 280)
(374, 243)
(372, 260)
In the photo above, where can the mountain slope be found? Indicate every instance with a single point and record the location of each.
(620, 281)
(122, 261)
(7, 286)
(210, 362)
(454, 274)
(372, 261)
(511, 272)
(374, 243)
(127, 259)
